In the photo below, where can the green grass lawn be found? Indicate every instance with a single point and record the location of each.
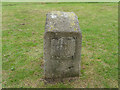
(22, 44)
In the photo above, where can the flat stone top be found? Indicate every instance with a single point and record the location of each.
(57, 21)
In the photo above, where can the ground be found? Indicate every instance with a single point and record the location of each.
(22, 44)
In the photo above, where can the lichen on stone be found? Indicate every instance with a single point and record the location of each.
(71, 15)
(75, 29)
(68, 14)
(53, 16)
(56, 12)
(72, 23)
(51, 28)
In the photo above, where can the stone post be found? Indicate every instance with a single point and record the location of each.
(62, 45)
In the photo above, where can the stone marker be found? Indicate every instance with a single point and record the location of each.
(62, 45)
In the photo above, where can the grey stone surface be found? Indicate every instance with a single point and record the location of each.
(62, 45)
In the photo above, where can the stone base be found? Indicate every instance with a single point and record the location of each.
(62, 45)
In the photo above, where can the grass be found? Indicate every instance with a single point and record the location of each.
(22, 44)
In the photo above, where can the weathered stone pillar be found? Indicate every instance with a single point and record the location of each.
(62, 45)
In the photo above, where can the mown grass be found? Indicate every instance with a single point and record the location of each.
(22, 44)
